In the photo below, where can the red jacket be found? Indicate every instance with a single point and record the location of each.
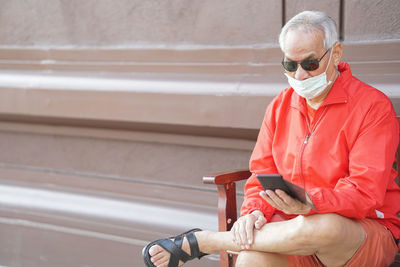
(343, 158)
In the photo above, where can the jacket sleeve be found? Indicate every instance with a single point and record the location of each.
(371, 157)
(261, 162)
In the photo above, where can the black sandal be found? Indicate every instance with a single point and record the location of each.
(175, 249)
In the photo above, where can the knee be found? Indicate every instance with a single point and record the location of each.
(322, 228)
(330, 226)
(246, 258)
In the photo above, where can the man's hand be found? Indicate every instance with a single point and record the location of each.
(243, 229)
(282, 201)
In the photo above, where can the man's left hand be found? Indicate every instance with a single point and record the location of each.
(282, 201)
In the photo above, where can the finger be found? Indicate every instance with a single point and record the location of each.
(260, 222)
(267, 195)
(236, 232)
(276, 197)
(249, 228)
(288, 200)
(291, 203)
(241, 234)
(293, 206)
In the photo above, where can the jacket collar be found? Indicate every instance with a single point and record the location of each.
(337, 94)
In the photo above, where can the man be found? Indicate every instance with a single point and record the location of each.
(330, 134)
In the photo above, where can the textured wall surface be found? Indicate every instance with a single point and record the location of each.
(134, 22)
(330, 7)
(158, 23)
(367, 20)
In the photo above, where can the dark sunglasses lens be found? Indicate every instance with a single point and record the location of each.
(312, 64)
(290, 65)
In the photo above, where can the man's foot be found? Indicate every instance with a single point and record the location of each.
(174, 251)
(160, 257)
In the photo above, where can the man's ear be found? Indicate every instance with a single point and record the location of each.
(337, 53)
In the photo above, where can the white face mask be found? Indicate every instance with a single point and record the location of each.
(310, 87)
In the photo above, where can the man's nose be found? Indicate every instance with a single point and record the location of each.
(301, 74)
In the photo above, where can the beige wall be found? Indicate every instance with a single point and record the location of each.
(367, 20)
(130, 23)
(127, 23)
(120, 107)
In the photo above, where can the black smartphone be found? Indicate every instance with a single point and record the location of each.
(276, 181)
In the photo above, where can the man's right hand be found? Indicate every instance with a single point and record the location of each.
(243, 229)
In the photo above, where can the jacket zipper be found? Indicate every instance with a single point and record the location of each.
(303, 146)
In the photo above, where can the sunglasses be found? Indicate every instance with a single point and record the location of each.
(307, 64)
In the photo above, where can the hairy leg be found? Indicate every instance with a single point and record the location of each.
(333, 238)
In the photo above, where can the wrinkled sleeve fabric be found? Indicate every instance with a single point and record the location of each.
(261, 162)
(371, 157)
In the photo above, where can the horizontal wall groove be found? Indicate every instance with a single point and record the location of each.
(103, 176)
(254, 60)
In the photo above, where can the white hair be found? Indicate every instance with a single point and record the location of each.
(309, 21)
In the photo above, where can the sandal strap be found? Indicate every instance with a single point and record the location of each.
(176, 253)
(175, 248)
(178, 242)
(194, 246)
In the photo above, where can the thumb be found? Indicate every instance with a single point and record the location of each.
(260, 222)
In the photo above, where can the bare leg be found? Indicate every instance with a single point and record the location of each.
(261, 259)
(333, 238)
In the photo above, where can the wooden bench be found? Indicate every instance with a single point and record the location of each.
(227, 207)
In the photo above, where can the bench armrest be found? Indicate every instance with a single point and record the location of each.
(227, 209)
(226, 177)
